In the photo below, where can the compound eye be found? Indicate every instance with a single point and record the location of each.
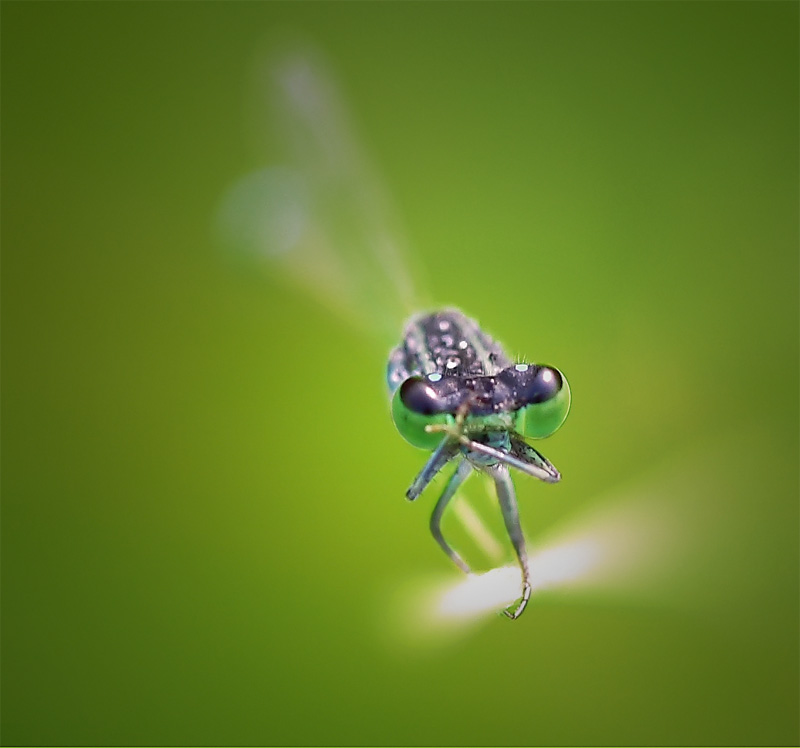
(547, 399)
(415, 406)
(419, 396)
(545, 385)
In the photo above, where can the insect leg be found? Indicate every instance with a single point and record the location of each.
(522, 456)
(544, 469)
(459, 476)
(524, 461)
(440, 457)
(508, 505)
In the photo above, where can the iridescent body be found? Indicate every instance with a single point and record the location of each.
(455, 392)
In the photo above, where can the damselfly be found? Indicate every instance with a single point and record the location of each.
(453, 390)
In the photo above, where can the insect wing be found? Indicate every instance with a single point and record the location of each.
(318, 215)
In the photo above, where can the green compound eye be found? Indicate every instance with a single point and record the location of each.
(416, 405)
(548, 397)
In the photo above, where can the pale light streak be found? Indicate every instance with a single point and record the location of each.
(606, 549)
(655, 542)
(478, 593)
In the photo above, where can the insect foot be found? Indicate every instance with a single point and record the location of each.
(514, 613)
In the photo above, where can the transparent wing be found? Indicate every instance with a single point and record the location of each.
(317, 214)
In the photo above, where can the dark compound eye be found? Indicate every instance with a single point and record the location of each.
(546, 397)
(417, 406)
(419, 396)
(543, 386)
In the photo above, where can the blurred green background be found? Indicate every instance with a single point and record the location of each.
(203, 513)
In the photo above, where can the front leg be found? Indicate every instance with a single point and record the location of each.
(440, 457)
(456, 479)
(539, 465)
